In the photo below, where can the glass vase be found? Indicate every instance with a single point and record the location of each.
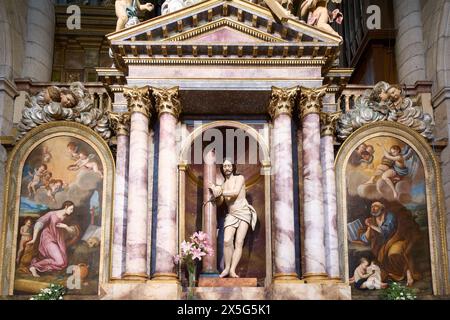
(192, 278)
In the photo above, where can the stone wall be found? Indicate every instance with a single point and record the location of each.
(423, 53)
(26, 50)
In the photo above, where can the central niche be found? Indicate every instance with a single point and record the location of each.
(234, 144)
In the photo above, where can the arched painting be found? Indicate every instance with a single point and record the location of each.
(387, 190)
(58, 205)
(59, 229)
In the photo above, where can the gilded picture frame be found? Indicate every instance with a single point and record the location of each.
(434, 197)
(14, 169)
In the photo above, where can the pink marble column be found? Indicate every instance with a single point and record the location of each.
(209, 212)
(329, 194)
(313, 211)
(280, 108)
(120, 124)
(168, 107)
(137, 213)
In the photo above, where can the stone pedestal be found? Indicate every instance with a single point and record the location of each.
(227, 282)
(310, 291)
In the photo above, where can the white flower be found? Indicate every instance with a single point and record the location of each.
(60, 298)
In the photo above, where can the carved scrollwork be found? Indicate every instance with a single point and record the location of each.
(63, 104)
(282, 101)
(167, 101)
(386, 102)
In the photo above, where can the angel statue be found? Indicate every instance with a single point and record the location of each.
(396, 165)
(126, 12)
(315, 13)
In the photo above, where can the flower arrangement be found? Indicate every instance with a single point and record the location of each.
(396, 291)
(192, 252)
(53, 292)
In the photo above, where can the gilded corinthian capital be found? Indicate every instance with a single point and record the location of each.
(311, 100)
(138, 100)
(328, 123)
(167, 101)
(120, 123)
(282, 101)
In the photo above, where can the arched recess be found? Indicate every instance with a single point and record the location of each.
(89, 187)
(386, 134)
(265, 163)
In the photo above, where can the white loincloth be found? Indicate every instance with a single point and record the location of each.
(245, 213)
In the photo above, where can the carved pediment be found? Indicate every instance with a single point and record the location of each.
(224, 30)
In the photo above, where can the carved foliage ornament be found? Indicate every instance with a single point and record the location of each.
(138, 100)
(167, 101)
(386, 102)
(63, 104)
(311, 100)
(282, 101)
(120, 123)
(329, 122)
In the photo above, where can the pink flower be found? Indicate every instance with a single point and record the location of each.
(176, 259)
(186, 248)
(197, 254)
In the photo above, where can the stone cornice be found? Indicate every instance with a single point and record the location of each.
(441, 96)
(8, 87)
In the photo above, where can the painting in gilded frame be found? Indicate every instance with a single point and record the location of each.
(59, 228)
(387, 217)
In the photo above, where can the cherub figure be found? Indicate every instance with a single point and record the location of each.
(73, 151)
(127, 10)
(26, 234)
(37, 178)
(86, 161)
(54, 186)
(393, 167)
(316, 13)
(46, 155)
(374, 281)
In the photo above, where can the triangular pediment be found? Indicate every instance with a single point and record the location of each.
(226, 29)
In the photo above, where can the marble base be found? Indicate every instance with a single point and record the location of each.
(227, 282)
(149, 290)
(310, 291)
(242, 293)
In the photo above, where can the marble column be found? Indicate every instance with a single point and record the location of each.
(313, 211)
(328, 121)
(280, 109)
(209, 212)
(121, 124)
(139, 106)
(168, 107)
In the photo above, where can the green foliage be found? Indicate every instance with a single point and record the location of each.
(396, 291)
(53, 292)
